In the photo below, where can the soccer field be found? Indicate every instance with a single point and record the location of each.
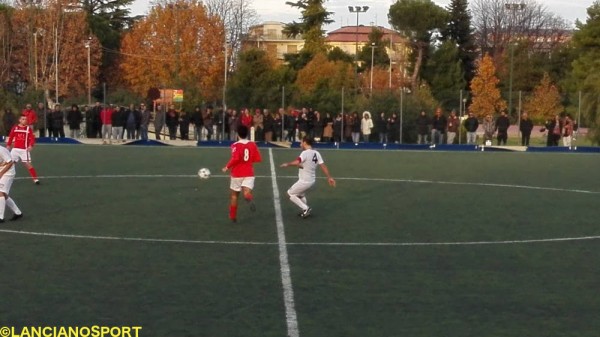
(408, 244)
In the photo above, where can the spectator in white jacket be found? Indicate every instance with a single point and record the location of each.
(366, 125)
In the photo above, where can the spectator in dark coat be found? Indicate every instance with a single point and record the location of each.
(393, 126)
(198, 121)
(172, 121)
(74, 119)
(337, 128)
(423, 123)
(42, 111)
(502, 125)
(381, 127)
(118, 120)
(184, 125)
(438, 127)
(525, 126)
(57, 118)
(471, 125)
(554, 131)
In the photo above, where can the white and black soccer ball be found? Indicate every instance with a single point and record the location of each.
(204, 173)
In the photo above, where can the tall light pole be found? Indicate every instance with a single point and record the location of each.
(35, 75)
(391, 46)
(56, 63)
(513, 8)
(372, 57)
(357, 10)
(89, 71)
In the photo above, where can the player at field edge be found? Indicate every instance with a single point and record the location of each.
(7, 175)
(307, 164)
(20, 143)
(244, 153)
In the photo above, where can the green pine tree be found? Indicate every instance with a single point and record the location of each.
(459, 30)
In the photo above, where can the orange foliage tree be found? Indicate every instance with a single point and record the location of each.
(486, 95)
(381, 79)
(545, 101)
(52, 31)
(178, 45)
(338, 74)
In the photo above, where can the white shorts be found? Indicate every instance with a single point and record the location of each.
(20, 155)
(237, 183)
(5, 183)
(300, 188)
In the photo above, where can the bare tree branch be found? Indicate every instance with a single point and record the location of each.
(498, 23)
(238, 16)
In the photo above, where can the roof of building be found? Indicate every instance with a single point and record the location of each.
(351, 33)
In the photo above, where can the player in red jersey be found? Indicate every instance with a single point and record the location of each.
(244, 154)
(20, 142)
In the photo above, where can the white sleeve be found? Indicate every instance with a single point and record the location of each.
(319, 158)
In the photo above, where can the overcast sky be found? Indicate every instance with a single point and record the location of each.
(277, 10)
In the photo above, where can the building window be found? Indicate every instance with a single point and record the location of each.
(292, 49)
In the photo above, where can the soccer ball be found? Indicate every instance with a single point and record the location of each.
(204, 173)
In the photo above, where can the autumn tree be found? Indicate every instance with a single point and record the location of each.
(50, 37)
(320, 69)
(381, 79)
(178, 45)
(484, 90)
(5, 42)
(545, 101)
(321, 81)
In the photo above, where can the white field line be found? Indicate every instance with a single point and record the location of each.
(411, 181)
(286, 277)
(258, 243)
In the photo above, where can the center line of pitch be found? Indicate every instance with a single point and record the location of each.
(286, 277)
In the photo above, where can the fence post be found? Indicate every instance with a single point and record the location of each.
(283, 109)
(401, 114)
(343, 117)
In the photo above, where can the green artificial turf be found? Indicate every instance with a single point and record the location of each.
(408, 244)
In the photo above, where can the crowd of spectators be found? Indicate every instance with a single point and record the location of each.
(113, 123)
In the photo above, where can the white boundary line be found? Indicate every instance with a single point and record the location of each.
(258, 243)
(286, 277)
(410, 181)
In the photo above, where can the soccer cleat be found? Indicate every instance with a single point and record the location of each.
(37, 182)
(306, 213)
(234, 220)
(1, 220)
(252, 206)
(16, 217)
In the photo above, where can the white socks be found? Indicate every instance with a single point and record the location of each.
(11, 204)
(301, 202)
(13, 207)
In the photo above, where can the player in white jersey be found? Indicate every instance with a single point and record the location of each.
(7, 175)
(307, 164)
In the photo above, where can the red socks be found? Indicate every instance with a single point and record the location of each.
(33, 174)
(232, 212)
